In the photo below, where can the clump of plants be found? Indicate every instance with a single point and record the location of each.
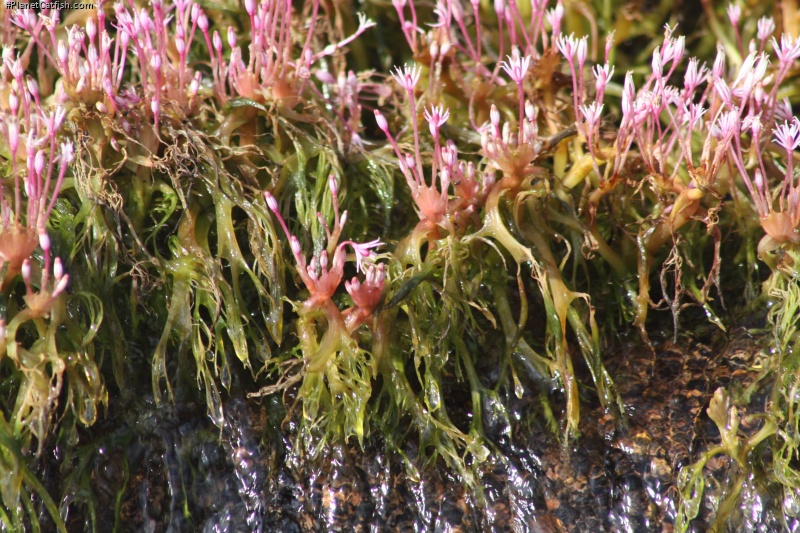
(369, 241)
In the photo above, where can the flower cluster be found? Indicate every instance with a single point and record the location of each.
(39, 162)
(323, 274)
(273, 70)
(509, 151)
(433, 202)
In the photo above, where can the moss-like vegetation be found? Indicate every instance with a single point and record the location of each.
(296, 202)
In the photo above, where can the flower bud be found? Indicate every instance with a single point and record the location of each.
(13, 102)
(91, 28)
(759, 180)
(530, 110)
(62, 52)
(271, 202)
(13, 136)
(44, 241)
(60, 286)
(38, 162)
(580, 53)
(323, 261)
(67, 152)
(719, 62)
(381, 120)
(494, 116)
(294, 244)
(33, 87)
(26, 271)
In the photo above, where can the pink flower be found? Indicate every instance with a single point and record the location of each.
(516, 67)
(363, 251)
(734, 13)
(766, 27)
(786, 50)
(407, 77)
(436, 118)
(592, 114)
(788, 135)
(367, 295)
(554, 17)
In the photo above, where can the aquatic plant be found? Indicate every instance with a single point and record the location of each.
(472, 218)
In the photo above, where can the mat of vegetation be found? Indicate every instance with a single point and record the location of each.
(430, 233)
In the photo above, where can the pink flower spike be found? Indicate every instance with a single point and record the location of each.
(407, 77)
